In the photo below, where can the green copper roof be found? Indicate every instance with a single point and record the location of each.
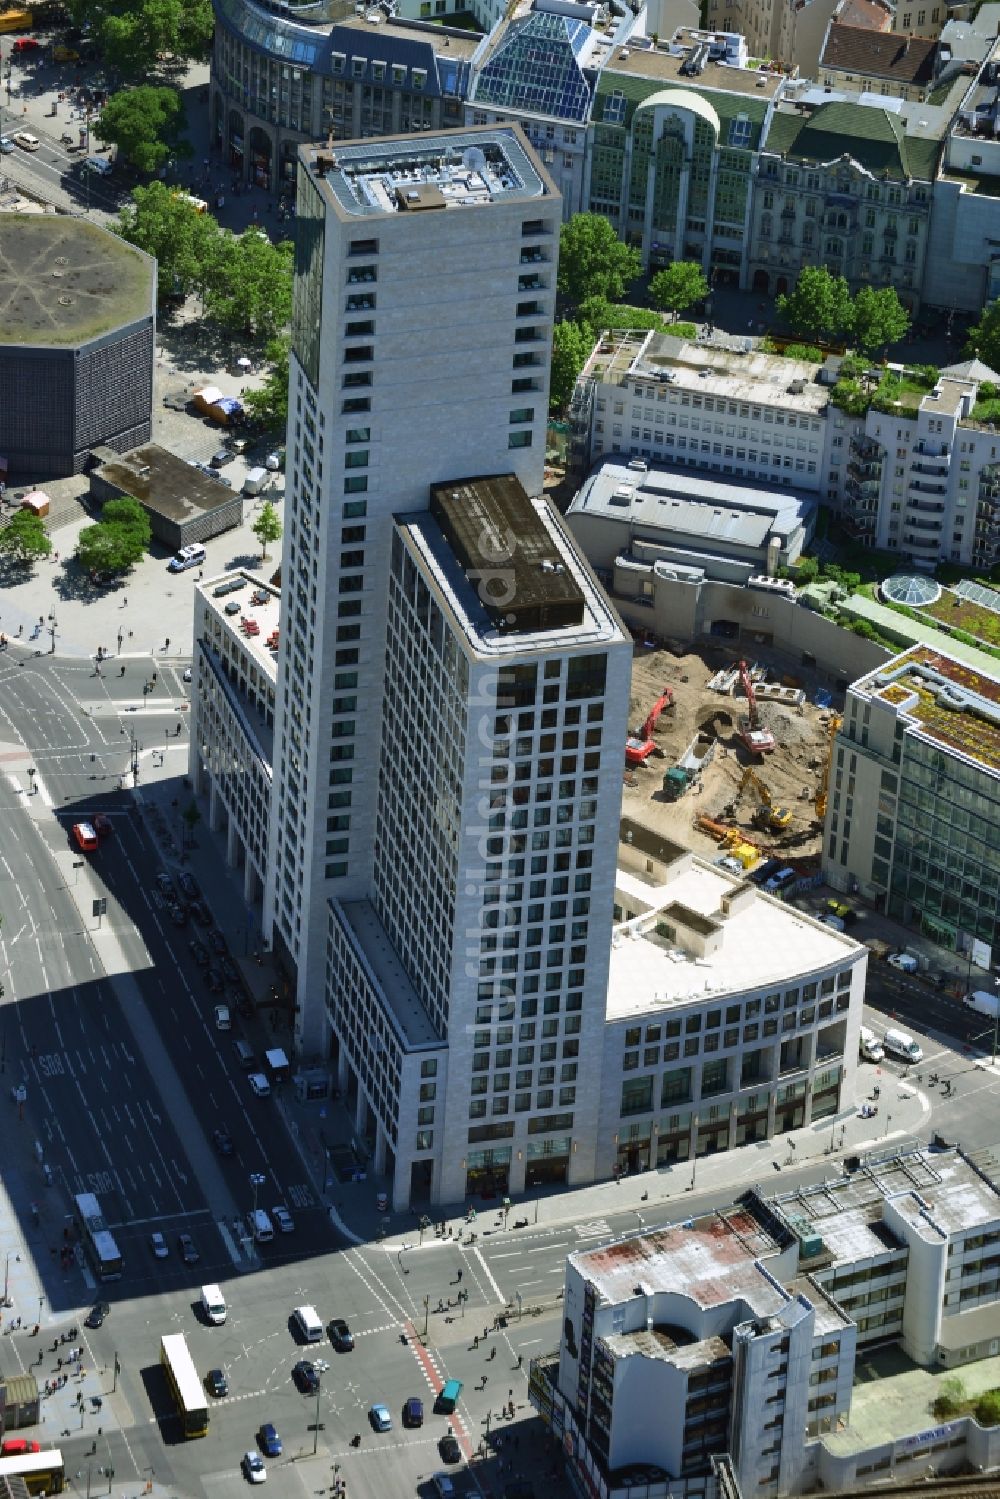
(874, 137)
(636, 90)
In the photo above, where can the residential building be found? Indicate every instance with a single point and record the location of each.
(234, 671)
(898, 66)
(919, 475)
(724, 409)
(911, 819)
(395, 661)
(278, 81)
(962, 267)
(747, 1322)
(676, 129)
(731, 1016)
(846, 183)
(540, 66)
(788, 33)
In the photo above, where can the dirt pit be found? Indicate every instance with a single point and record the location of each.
(791, 772)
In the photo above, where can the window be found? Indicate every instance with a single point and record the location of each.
(355, 483)
(637, 1096)
(519, 440)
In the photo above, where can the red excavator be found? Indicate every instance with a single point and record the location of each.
(639, 747)
(758, 739)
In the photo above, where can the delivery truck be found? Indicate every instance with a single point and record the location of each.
(870, 1048)
(984, 1003)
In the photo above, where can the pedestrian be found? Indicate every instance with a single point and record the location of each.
(475, 1341)
(459, 1276)
(520, 1360)
(493, 1352)
(125, 606)
(121, 671)
(486, 1333)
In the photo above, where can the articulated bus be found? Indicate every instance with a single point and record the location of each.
(98, 1242)
(185, 1386)
(16, 20)
(42, 1472)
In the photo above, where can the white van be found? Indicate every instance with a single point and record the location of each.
(308, 1323)
(190, 556)
(256, 480)
(899, 1044)
(870, 1048)
(213, 1304)
(260, 1226)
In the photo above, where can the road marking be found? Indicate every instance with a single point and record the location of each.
(489, 1275)
(599, 1229)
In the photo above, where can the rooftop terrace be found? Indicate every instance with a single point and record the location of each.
(750, 376)
(942, 700)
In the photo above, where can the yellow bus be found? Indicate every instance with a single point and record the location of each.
(42, 1472)
(185, 1386)
(16, 20)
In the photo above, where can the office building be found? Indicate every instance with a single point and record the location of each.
(912, 817)
(962, 267)
(747, 1324)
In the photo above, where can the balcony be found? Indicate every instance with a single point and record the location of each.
(925, 507)
(924, 488)
(925, 449)
(867, 449)
(938, 467)
(930, 544)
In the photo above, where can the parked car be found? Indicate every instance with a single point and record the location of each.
(230, 972)
(165, 885)
(217, 941)
(199, 914)
(158, 1245)
(199, 952)
(189, 1253)
(223, 1019)
(904, 961)
(222, 457)
(259, 1085)
(284, 1219)
(188, 885)
(178, 915)
(214, 980)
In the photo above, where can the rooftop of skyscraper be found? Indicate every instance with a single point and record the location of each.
(948, 703)
(463, 168)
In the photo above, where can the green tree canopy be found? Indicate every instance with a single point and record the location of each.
(23, 539)
(820, 305)
(186, 244)
(878, 318)
(128, 514)
(133, 33)
(571, 343)
(678, 286)
(266, 528)
(250, 284)
(118, 540)
(146, 124)
(988, 1408)
(269, 402)
(984, 338)
(593, 261)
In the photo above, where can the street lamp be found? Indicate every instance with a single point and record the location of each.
(319, 1391)
(13, 1255)
(257, 1179)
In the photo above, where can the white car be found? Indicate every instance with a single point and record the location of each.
(259, 1085)
(223, 1020)
(904, 961)
(273, 462)
(158, 1245)
(187, 674)
(283, 1219)
(253, 1467)
(27, 141)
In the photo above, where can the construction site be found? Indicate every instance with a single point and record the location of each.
(727, 755)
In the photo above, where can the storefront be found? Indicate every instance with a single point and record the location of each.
(548, 1162)
(487, 1172)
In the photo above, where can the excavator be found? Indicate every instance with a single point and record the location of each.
(824, 779)
(767, 814)
(758, 739)
(639, 747)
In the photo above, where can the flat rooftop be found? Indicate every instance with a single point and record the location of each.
(894, 1400)
(66, 281)
(259, 602)
(469, 167)
(762, 942)
(751, 376)
(687, 505)
(711, 1260)
(399, 994)
(483, 517)
(646, 62)
(598, 624)
(165, 483)
(943, 701)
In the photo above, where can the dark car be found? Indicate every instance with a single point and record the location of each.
(188, 1251)
(449, 1449)
(223, 1141)
(270, 1442)
(519, 1488)
(222, 457)
(242, 1002)
(98, 1314)
(217, 941)
(102, 825)
(200, 953)
(189, 885)
(216, 1383)
(199, 914)
(340, 1335)
(178, 915)
(305, 1377)
(230, 972)
(165, 885)
(213, 979)
(413, 1412)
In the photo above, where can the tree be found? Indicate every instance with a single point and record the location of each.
(118, 540)
(132, 33)
(146, 124)
(571, 343)
(806, 571)
(820, 305)
(984, 338)
(878, 318)
(185, 243)
(128, 514)
(250, 285)
(678, 286)
(988, 1408)
(269, 402)
(266, 528)
(23, 539)
(593, 261)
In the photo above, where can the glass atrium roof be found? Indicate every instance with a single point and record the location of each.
(536, 67)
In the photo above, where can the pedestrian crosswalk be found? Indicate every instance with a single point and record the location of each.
(600, 1228)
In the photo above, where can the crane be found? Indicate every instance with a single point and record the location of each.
(767, 815)
(758, 739)
(824, 779)
(639, 747)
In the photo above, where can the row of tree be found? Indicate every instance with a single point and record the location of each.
(244, 281)
(132, 35)
(821, 308)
